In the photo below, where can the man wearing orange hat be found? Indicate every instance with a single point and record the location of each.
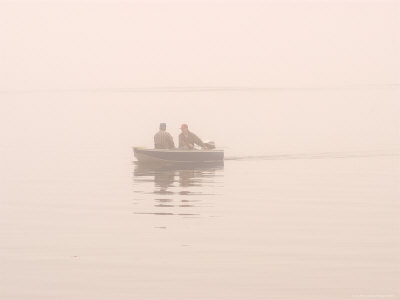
(188, 139)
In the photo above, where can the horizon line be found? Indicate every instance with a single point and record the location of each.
(188, 89)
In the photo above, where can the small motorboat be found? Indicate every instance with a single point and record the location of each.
(178, 155)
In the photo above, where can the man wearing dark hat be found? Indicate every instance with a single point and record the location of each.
(188, 139)
(162, 139)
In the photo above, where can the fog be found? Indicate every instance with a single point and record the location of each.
(257, 123)
(257, 77)
(47, 45)
(81, 82)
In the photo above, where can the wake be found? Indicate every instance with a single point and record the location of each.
(319, 155)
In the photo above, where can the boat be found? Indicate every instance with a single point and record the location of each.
(145, 155)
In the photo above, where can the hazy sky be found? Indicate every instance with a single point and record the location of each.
(127, 44)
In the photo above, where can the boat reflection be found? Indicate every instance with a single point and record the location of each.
(172, 188)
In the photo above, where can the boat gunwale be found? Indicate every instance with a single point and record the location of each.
(151, 155)
(176, 150)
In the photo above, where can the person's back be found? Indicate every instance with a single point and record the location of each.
(162, 139)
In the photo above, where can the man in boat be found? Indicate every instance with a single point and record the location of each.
(188, 139)
(162, 139)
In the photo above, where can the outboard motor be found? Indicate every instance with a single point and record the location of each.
(209, 144)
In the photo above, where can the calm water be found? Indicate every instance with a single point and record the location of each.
(297, 211)
(273, 228)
